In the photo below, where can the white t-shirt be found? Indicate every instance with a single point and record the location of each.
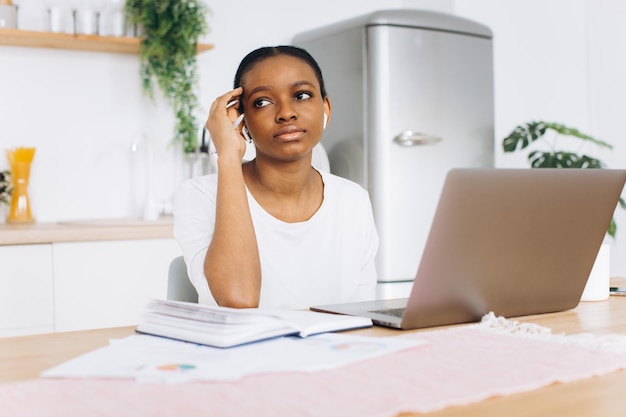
(324, 260)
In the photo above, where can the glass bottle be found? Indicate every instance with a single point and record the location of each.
(20, 160)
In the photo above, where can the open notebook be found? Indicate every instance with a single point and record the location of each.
(227, 327)
(511, 241)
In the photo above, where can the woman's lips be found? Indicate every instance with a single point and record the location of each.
(289, 133)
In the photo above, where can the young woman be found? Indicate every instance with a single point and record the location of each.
(275, 232)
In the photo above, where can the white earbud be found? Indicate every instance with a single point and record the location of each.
(246, 134)
(325, 120)
(238, 120)
(244, 130)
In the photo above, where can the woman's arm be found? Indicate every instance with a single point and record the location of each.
(232, 265)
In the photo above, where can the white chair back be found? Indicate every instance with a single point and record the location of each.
(179, 288)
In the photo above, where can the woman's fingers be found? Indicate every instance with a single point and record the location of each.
(220, 123)
(224, 105)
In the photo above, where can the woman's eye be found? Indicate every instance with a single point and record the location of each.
(303, 95)
(261, 102)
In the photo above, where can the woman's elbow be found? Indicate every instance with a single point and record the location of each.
(235, 296)
(237, 301)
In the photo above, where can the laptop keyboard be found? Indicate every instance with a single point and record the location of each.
(395, 312)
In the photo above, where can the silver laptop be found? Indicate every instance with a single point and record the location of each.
(511, 241)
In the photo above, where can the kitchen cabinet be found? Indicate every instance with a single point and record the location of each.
(81, 274)
(107, 283)
(26, 290)
(124, 45)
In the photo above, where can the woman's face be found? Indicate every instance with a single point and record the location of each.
(284, 107)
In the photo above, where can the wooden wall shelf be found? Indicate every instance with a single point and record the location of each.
(121, 45)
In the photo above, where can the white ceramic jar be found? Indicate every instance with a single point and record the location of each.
(8, 16)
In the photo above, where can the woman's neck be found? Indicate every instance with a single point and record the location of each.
(291, 192)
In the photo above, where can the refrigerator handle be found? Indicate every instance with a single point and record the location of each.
(409, 138)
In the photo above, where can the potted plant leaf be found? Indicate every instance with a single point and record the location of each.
(170, 32)
(5, 187)
(526, 134)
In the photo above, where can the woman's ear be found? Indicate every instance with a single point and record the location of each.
(327, 111)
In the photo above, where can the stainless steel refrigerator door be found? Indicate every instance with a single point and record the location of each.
(430, 108)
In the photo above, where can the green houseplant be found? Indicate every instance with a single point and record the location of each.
(526, 134)
(5, 187)
(170, 33)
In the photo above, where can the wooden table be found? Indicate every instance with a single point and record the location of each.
(26, 356)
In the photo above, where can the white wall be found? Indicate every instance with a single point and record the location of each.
(557, 60)
(84, 110)
(560, 61)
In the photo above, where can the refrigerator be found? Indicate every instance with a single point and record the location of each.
(412, 97)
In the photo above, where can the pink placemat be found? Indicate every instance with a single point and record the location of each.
(458, 366)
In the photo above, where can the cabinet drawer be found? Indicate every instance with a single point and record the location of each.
(108, 283)
(26, 294)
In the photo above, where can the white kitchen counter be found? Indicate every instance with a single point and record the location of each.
(86, 230)
(66, 276)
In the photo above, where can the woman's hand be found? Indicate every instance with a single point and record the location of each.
(236, 283)
(228, 140)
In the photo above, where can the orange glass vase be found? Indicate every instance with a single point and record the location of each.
(20, 160)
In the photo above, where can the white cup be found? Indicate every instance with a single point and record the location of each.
(112, 19)
(60, 16)
(32, 15)
(56, 17)
(118, 23)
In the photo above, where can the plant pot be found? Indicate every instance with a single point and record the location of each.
(598, 283)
